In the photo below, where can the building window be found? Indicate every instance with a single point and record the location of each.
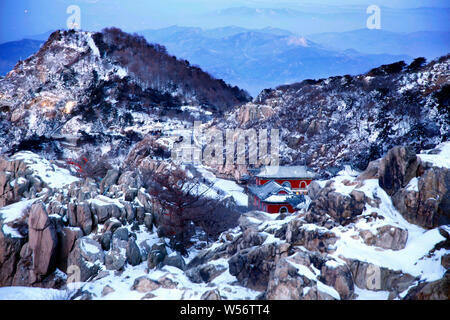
(303, 185)
(284, 210)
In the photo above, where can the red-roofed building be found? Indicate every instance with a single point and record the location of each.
(275, 185)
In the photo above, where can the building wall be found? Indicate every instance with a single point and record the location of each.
(275, 208)
(295, 184)
(255, 204)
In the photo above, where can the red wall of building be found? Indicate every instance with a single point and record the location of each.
(270, 207)
(275, 208)
(295, 184)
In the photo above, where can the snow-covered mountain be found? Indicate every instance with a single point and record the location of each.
(353, 120)
(87, 88)
(87, 126)
(256, 59)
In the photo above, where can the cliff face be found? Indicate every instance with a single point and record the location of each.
(355, 119)
(89, 89)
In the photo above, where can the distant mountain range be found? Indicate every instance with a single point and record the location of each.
(429, 44)
(316, 18)
(262, 58)
(256, 59)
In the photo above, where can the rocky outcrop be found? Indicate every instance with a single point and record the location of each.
(427, 201)
(386, 237)
(87, 256)
(43, 240)
(436, 290)
(397, 168)
(17, 181)
(133, 253)
(10, 248)
(310, 236)
(204, 273)
(308, 276)
(326, 202)
(156, 255)
(144, 284)
(372, 277)
(252, 266)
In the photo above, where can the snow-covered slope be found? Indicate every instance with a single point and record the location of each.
(331, 122)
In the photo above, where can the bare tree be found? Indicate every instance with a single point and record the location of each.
(182, 207)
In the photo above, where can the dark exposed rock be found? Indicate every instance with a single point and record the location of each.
(105, 240)
(428, 205)
(121, 233)
(397, 168)
(326, 202)
(436, 290)
(386, 237)
(176, 261)
(87, 257)
(204, 273)
(211, 295)
(10, 248)
(84, 218)
(156, 255)
(339, 277)
(43, 240)
(148, 221)
(252, 266)
(112, 225)
(286, 283)
(315, 239)
(67, 237)
(115, 259)
(111, 178)
(133, 253)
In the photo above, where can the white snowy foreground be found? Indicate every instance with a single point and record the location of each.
(413, 259)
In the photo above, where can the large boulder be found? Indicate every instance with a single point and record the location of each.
(286, 283)
(175, 260)
(426, 200)
(372, 277)
(397, 168)
(115, 259)
(204, 273)
(42, 239)
(84, 218)
(294, 279)
(326, 202)
(386, 237)
(10, 248)
(87, 257)
(133, 253)
(312, 237)
(252, 266)
(436, 290)
(338, 276)
(110, 179)
(156, 255)
(144, 284)
(67, 237)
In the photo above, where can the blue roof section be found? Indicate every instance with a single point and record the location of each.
(268, 189)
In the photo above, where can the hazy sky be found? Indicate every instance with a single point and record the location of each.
(19, 18)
